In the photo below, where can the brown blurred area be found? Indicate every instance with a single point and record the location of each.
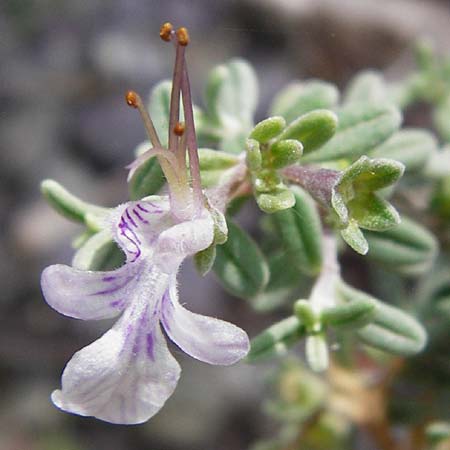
(65, 65)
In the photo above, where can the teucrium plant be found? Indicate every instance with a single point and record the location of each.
(318, 169)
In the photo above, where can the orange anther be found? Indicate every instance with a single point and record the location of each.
(132, 99)
(178, 129)
(165, 31)
(183, 36)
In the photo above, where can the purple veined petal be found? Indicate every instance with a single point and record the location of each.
(205, 338)
(89, 295)
(125, 377)
(136, 225)
(182, 240)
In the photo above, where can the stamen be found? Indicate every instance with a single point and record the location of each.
(179, 129)
(165, 31)
(175, 95)
(131, 99)
(191, 139)
(135, 101)
(183, 36)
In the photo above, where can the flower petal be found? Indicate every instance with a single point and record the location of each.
(88, 295)
(125, 377)
(182, 240)
(136, 225)
(205, 338)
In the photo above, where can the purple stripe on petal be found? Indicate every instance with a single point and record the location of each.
(142, 208)
(117, 303)
(136, 213)
(150, 346)
(130, 218)
(109, 278)
(114, 288)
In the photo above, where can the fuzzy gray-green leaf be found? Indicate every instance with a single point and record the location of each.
(301, 97)
(67, 204)
(412, 147)
(300, 231)
(276, 200)
(353, 314)
(99, 252)
(369, 87)
(240, 266)
(361, 128)
(147, 180)
(276, 339)
(407, 248)
(268, 129)
(391, 329)
(312, 129)
(204, 260)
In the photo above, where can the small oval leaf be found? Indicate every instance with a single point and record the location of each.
(312, 129)
(412, 147)
(147, 180)
(392, 330)
(361, 128)
(407, 248)
(298, 98)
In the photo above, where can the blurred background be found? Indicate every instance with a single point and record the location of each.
(65, 65)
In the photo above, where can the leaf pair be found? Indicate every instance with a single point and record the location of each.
(273, 145)
(375, 323)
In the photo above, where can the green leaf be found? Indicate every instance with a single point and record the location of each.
(367, 87)
(361, 127)
(231, 98)
(240, 266)
(278, 199)
(204, 260)
(316, 352)
(312, 129)
(412, 147)
(354, 237)
(268, 129)
(276, 339)
(407, 248)
(300, 231)
(392, 330)
(301, 97)
(254, 157)
(99, 252)
(354, 314)
(215, 159)
(147, 180)
(213, 164)
(285, 152)
(441, 118)
(67, 204)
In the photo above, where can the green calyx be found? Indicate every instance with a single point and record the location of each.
(356, 203)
